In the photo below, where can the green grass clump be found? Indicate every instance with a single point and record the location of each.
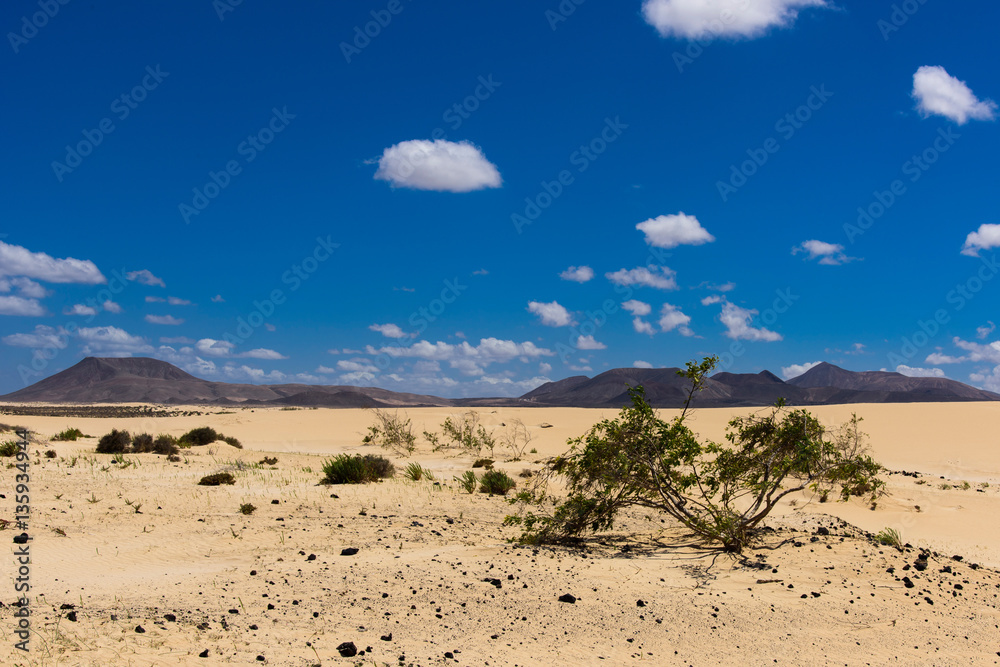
(69, 435)
(248, 508)
(8, 448)
(496, 483)
(468, 481)
(483, 463)
(357, 469)
(416, 472)
(217, 479)
(890, 537)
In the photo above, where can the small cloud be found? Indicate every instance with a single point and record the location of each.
(641, 364)
(80, 309)
(217, 298)
(637, 307)
(985, 238)
(19, 306)
(986, 330)
(939, 94)
(176, 301)
(706, 19)
(670, 231)
(177, 340)
(388, 330)
(939, 358)
(551, 314)
(155, 299)
(577, 274)
(480, 272)
(738, 324)
(857, 348)
(830, 254)
(642, 326)
(909, 371)
(262, 353)
(357, 366)
(795, 370)
(270, 327)
(168, 320)
(439, 165)
(672, 318)
(544, 368)
(404, 289)
(145, 277)
(660, 277)
(712, 299)
(588, 343)
(112, 307)
(580, 369)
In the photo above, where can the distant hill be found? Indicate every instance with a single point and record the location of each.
(145, 380)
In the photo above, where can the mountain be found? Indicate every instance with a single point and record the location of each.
(144, 380)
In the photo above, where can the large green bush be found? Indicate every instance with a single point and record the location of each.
(356, 469)
(720, 492)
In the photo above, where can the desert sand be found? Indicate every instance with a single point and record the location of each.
(138, 565)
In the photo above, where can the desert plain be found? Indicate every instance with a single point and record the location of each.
(134, 563)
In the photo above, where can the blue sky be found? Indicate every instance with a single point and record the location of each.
(473, 198)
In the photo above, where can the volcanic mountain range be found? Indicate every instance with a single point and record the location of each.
(146, 380)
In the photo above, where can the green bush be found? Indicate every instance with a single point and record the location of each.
(483, 463)
(142, 443)
(466, 432)
(116, 442)
(248, 508)
(230, 440)
(8, 448)
(199, 436)
(166, 444)
(356, 469)
(416, 472)
(69, 435)
(496, 483)
(217, 479)
(391, 431)
(721, 493)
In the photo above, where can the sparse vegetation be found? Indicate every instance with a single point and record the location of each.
(51, 454)
(248, 508)
(965, 486)
(392, 432)
(496, 483)
(231, 441)
(217, 479)
(268, 461)
(468, 481)
(69, 435)
(8, 448)
(416, 472)
(466, 432)
(516, 437)
(197, 437)
(890, 537)
(483, 463)
(944, 486)
(721, 493)
(356, 469)
(166, 444)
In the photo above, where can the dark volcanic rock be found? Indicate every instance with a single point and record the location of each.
(347, 650)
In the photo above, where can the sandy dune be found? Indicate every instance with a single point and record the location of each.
(435, 571)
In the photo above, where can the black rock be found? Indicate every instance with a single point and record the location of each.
(908, 583)
(349, 551)
(494, 582)
(260, 658)
(822, 531)
(386, 638)
(253, 627)
(140, 629)
(311, 557)
(66, 606)
(347, 650)
(71, 616)
(275, 502)
(170, 617)
(920, 565)
(203, 654)
(449, 655)
(21, 539)
(568, 598)
(640, 603)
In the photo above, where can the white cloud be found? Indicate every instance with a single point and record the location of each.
(641, 364)
(18, 261)
(19, 306)
(939, 358)
(984, 331)
(588, 343)
(989, 380)
(262, 353)
(672, 318)
(670, 231)
(938, 93)
(388, 330)
(919, 372)
(737, 321)
(214, 348)
(357, 366)
(551, 314)
(660, 277)
(217, 298)
(168, 320)
(25, 287)
(643, 327)
(145, 277)
(178, 340)
(80, 309)
(795, 370)
(580, 369)
(177, 301)
(712, 299)
(712, 19)
(439, 165)
(830, 254)
(578, 274)
(155, 299)
(544, 368)
(978, 352)
(488, 351)
(637, 307)
(42, 337)
(112, 307)
(111, 342)
(984, 238)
